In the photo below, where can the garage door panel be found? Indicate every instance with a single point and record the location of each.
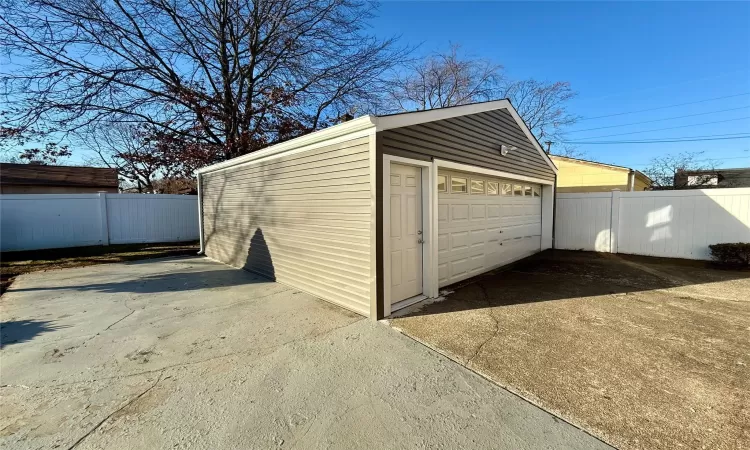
(481, 232)
(442, 273)
(442, 213)
(459, 240)
(459, 213)
(521, 230)
(443, 242)
(478, 212)
(478, 237)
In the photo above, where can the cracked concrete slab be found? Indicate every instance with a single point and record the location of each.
(643, 352)
(189, 353)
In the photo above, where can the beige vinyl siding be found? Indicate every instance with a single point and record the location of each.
(474, 139)
(303, 219)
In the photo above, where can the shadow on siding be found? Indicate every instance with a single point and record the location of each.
(259, 258)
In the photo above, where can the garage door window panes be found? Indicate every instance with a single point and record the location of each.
(517, 190)
(507, 189)
(535, 190)
(477, 187)
(442, 184)
(458, 185)
(527, 191)
(492, 188)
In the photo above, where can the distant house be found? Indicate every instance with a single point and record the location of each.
(716, 178)
(41, 179)
(579, 175)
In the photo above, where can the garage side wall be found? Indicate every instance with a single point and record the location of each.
(303, 219)
(474, 139)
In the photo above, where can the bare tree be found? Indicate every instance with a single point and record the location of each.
(666, 171)
(128, 149)
(14, 143)
(451, 78)
(446, 79)
(237, 75)
(543, 106)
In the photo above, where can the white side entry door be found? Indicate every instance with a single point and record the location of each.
(406, 236)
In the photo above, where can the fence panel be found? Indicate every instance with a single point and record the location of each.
(582, 221)
(39, 221)
(137, 218)
(674, 224)
(682, 224)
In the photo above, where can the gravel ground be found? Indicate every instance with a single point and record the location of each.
(642, 352)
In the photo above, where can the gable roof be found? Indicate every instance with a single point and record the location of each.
(382, 123)
(405, 119)
(740, 170)
(596, 163)
(41, 175)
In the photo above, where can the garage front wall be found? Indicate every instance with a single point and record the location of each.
(473, 139)
(303, 219)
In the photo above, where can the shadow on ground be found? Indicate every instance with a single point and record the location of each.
(165, 282)
(17, 331)
(560, 275)
(643, 352)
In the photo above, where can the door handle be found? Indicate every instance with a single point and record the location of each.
(419, 231)
(420, 241)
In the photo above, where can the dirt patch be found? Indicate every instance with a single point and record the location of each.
(13, 264)
(641, 352)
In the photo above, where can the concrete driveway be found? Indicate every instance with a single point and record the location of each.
(191, 353)
(643, 352)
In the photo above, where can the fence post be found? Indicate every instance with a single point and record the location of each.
(614, 225)
(103, 218)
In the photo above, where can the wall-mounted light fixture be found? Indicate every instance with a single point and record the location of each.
(504, 149)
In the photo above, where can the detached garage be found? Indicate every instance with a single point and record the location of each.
(380, 212)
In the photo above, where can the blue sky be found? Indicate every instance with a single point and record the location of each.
(619, 57)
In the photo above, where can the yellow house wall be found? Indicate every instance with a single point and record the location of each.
(640, 185)
(581, 177)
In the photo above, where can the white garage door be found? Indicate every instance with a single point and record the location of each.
(484, 223)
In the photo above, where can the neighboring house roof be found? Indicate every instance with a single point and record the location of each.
(734, 177)
(41, 175)
(609, 166)
(737, 170)
(387, 122)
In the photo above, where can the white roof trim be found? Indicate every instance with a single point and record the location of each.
(352, 126)
(415, 118)
(381, 123)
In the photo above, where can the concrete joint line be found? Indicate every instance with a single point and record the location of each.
(130, 402)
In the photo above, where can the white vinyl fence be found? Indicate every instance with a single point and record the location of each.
(37, 221)
(674, 224)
